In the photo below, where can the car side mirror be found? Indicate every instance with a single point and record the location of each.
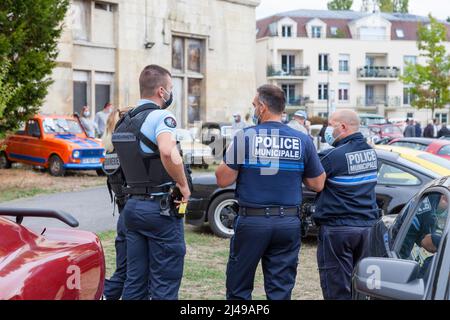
(386, 278)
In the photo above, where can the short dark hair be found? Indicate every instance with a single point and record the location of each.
(106, 105)
(273, 97)
(151, 78)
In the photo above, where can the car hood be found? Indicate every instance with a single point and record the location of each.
(78, 142)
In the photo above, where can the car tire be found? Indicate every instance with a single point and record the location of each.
(56, 166)
(221, 216)
(100, 172)
(4, 161)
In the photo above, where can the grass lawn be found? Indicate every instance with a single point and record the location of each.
(205, 265)
(23, 181)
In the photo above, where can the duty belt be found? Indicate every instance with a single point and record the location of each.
(145, 191)
(269, 211)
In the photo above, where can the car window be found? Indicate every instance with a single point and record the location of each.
(392, 175)
(445, 150)
(426, 226)
(391, 130)
(33, 128)
(61, 126)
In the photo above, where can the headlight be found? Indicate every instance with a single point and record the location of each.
(76, 154)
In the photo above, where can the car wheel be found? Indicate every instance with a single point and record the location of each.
(4, 161)
(56, 166)
(221, 215)
(100, 172)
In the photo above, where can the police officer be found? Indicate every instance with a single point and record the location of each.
(346, 208)
(115, 181)
(151, 163)
(268, 162)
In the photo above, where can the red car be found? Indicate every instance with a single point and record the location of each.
(386, 131)
(439, 147)
(57, 264)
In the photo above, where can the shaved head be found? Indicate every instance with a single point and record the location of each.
(348, 117)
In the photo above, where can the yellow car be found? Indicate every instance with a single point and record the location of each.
(426, 160)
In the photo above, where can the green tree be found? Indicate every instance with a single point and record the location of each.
(340, 5)
(393, 5)
(431, 81)
(6, 89)
(29, 33)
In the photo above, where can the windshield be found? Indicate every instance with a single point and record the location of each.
(392, 129)
(67, 126)
(367, 121)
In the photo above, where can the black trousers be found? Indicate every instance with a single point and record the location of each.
(339, 250)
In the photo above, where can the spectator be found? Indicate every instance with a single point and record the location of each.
(101, 117)
(248, 121)
(410, 130)
(299, 122)
(418, 129)
(284, 118)
(444, 132)
(428, 132)
(87, 123)
(237, 124)
(435, 128)
(322, 131)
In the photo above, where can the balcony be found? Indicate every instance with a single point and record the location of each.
(284, 72)
(374, 73)
(375, 101)
(297, 101)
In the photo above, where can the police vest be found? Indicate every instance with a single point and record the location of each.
(141, 170)
(115, 178)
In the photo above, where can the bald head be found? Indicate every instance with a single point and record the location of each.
(344, 123)
(347, 117)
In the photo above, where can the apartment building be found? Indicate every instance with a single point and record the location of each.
(327, 60)
(208, 46)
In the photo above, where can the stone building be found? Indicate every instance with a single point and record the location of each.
(208, 45)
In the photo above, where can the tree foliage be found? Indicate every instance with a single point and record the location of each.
(431, 81)
(393, 5)
(29, 33)
(340, 4)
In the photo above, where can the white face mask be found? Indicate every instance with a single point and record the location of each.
(86, 114)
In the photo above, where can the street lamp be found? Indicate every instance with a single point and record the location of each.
(330, 70)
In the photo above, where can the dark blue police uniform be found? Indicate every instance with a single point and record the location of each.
(272, 159)
(155, 237)
(345, 211)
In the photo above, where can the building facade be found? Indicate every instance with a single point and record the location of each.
(327, 60)
(208, 45)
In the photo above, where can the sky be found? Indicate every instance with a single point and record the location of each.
(438, 8)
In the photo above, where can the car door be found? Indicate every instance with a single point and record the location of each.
(421, 235)
(396, 186)
(27, 147)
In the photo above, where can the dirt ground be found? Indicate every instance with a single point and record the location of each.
(23, 181)
(205, 265)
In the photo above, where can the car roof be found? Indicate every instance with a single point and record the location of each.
(54, 116)
(419, 158)
(426, 141)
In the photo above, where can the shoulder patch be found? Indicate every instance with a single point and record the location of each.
(170, 122)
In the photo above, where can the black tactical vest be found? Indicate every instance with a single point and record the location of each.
(141, 170)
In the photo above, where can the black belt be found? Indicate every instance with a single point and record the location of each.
(145, 191)
(270, 211)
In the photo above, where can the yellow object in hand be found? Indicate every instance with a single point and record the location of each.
(182, 208)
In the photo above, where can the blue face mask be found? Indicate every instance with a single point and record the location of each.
(329, 138)
(256, 118)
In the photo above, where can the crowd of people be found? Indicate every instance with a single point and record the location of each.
(95, 127)
(432, 130)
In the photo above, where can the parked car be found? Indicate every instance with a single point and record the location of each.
(194, 152)
(53, 264)
(401, 174)
(57, 143)
(438, 147)
(382, 131)
(216, 135)
(409, 257)
(368, 119)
